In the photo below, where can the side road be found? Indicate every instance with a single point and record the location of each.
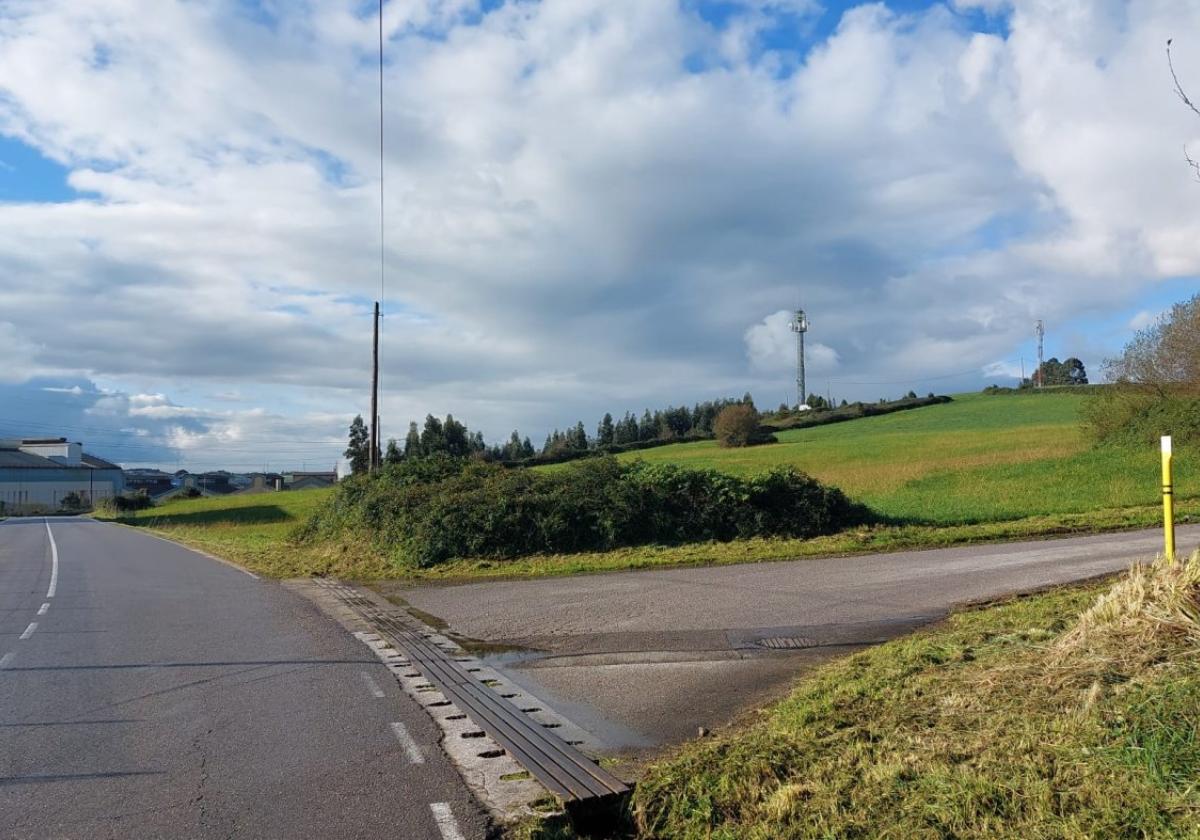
(148, 691)
(646, 657)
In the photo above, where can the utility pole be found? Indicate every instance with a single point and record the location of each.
(800, 327)
(374, 444)
(1040, 328)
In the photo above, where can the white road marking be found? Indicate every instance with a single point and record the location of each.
(42, 609)
(372, 686)
(53, 562)
(410, 746)
(5, 659)
(29, 630)
(444, 817)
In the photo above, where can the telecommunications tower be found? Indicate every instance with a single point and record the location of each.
(1039, 327)
(800, 327)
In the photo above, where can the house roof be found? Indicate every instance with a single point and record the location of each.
(98, 463)
(16, 459)
(24, 460)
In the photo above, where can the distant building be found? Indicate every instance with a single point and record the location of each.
(309, 480)
(216, 483)
(273, 482)
(153, 483)
(36, 474)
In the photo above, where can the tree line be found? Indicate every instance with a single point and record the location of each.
(451, 437)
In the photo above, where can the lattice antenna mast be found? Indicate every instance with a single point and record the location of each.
(800, 327)
(1040, 328)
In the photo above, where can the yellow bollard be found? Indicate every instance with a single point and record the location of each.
(1168, 501)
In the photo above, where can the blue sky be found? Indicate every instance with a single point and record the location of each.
(592, 206)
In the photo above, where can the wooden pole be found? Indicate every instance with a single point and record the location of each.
(374, 444)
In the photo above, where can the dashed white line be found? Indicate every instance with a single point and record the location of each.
(408, 744)
(42, 609)
(372, 686)
(6, 659)
(29, 630)
(53, 561)
(444, 817)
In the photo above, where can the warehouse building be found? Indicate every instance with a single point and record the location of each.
(37, 474)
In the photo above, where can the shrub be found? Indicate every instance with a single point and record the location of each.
(484, 510)
(1132, 415)
(127, 503)
(736, 425)
(852, 411)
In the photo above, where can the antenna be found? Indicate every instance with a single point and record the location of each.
(373, 461)
(1039, 327)
(800, 327)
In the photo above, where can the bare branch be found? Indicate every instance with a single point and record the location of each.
(1192, 163)
(1178, 87)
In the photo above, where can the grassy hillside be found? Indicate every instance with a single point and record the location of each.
(979, 459)
(983, 468)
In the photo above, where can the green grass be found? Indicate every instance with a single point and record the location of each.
(983, 468)
(1013, 721)
(978, 459)
(253, 530)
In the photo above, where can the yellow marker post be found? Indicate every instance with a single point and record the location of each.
(1168, 501)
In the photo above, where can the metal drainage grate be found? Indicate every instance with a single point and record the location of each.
(786, 642)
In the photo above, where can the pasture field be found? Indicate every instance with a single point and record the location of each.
(978, 459)
(979, 469)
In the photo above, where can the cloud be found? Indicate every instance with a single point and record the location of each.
(592, 205)
(771, 346)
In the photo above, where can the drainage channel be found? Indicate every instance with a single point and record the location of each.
(585, 789)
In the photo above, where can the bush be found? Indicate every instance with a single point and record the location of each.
(1132, 416)
(737, 425)
(853, 411)
(484, 510)
(127, 503)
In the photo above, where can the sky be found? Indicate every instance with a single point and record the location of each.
(590, 206)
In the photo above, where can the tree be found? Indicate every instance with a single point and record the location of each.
(412, 442)
(433, 438)
(527, 448)
(577, 438)
(606, 432)
(1054, 372)
(358, 450)
(1156, 388)
(647, 428)
(454, 435)
(736, 425)
(393, 454)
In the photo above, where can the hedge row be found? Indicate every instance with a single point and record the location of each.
(853, 411)
(425, 513)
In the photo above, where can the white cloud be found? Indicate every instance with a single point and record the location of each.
(577, 221)
(771, 346)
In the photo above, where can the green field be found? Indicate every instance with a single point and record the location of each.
(982, 468)
(978, 459)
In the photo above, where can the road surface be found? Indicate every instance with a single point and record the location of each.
(646, 657)
(148, 691)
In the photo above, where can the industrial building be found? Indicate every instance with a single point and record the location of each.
(36, 475)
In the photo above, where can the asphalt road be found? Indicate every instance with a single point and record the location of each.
(642, 658)
(148, 691)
